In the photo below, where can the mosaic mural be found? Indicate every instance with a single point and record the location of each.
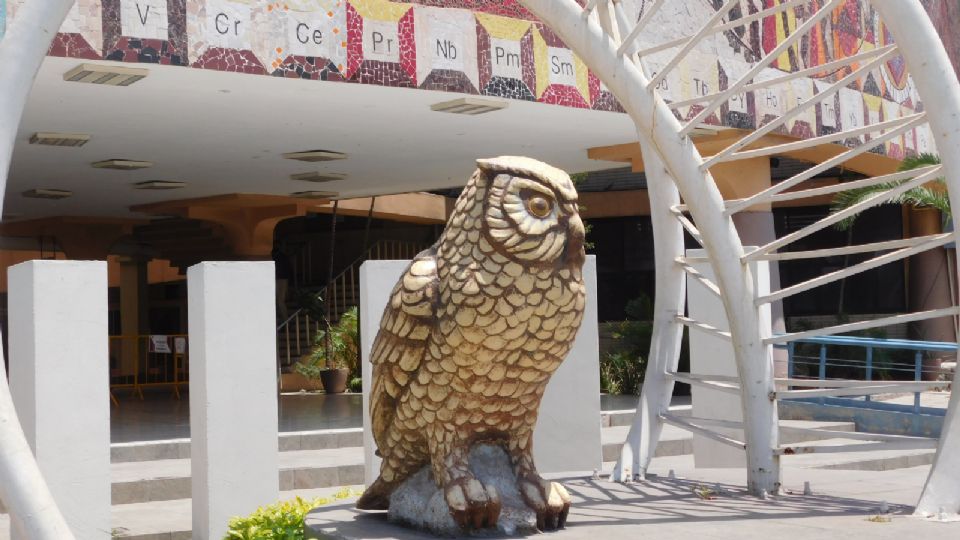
(497, 48)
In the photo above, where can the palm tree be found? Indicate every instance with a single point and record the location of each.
(932, 195)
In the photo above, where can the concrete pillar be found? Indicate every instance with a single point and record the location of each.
(929, 287)
(233, 396)
(712, 355)
(134, 312)
(59, 383)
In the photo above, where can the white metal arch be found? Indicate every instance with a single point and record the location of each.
(594, 32)
(22, 50)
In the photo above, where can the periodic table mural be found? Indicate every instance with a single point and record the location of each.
(497, 48)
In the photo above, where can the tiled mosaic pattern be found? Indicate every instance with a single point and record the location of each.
(148, 31)
(81, 35)
(497, 48)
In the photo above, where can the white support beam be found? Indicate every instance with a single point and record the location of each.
(688, 226)
(698, 430)
(863, 325)
(233, 392)
(22, 50)
(865, 390)
(817, 141)
(850, 250)
(694, 273)
(736, 23)
(835, 161)
(703, 327)
(837, 217)
(781, 47)
(845, 186)
(922, 444)
(860, 435)
(724, 155)
(847, 383)
(713, 382)
(628, 47)
(936, 241)
(809, 72)
(691, 42)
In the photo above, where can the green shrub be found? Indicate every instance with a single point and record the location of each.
(355, 385)
(279, 521)
(622, 370)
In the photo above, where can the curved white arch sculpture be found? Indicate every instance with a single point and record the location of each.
(22, 488)
(593, 31)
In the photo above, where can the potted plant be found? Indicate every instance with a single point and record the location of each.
(334, 354)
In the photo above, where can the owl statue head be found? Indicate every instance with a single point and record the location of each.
(530, 212)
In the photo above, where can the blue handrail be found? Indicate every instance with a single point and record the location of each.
(869, 344)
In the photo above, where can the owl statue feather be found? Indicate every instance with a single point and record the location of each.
(472, 333)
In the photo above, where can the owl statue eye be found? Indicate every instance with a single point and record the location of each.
(539, 206)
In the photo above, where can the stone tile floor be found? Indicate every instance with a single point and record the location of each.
(161, 416)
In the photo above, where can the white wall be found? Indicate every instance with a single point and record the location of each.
(711, 355)
(567, 437)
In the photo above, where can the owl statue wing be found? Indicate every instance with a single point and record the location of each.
(402, 342)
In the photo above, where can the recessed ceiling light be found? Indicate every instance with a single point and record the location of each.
(122, 164)
(469, 105)
(160, 184)
(316, 176)
(46, 193)
(315, 155)
(105, 74)
(59, 139)
(315, 194)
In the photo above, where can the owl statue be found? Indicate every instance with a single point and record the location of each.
(470, 337)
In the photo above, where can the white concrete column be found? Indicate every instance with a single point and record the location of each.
(567, 436)
(59, 381)
(712, 355)
(233, 392)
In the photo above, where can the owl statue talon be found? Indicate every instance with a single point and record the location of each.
(468, 341)
(549, 500)
(473, 505)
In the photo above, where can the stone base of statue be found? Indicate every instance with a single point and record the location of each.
(418, 503)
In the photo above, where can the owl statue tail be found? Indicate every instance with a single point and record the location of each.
(376, 497)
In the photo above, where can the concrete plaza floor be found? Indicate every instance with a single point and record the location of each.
(160, 416)
(844, 504)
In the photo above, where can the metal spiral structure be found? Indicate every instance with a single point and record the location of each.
(608, 35)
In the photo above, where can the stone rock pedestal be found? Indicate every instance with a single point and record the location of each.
(420, 504)
(418, 510)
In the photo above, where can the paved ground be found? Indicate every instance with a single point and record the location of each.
(160, 416)
(844, 505)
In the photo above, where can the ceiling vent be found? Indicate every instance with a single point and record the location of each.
(105, 74)
(59, 139)
(318, 176)
(122, 164)
(44, 193)
(315, 194)
(469, 105)
(160, 184)
(315, 155)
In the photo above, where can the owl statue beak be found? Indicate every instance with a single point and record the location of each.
(574, 255)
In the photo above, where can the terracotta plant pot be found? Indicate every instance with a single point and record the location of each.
(334, 380)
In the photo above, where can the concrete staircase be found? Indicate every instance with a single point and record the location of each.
(151, 480)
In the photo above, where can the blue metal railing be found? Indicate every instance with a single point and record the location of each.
(893, 369)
